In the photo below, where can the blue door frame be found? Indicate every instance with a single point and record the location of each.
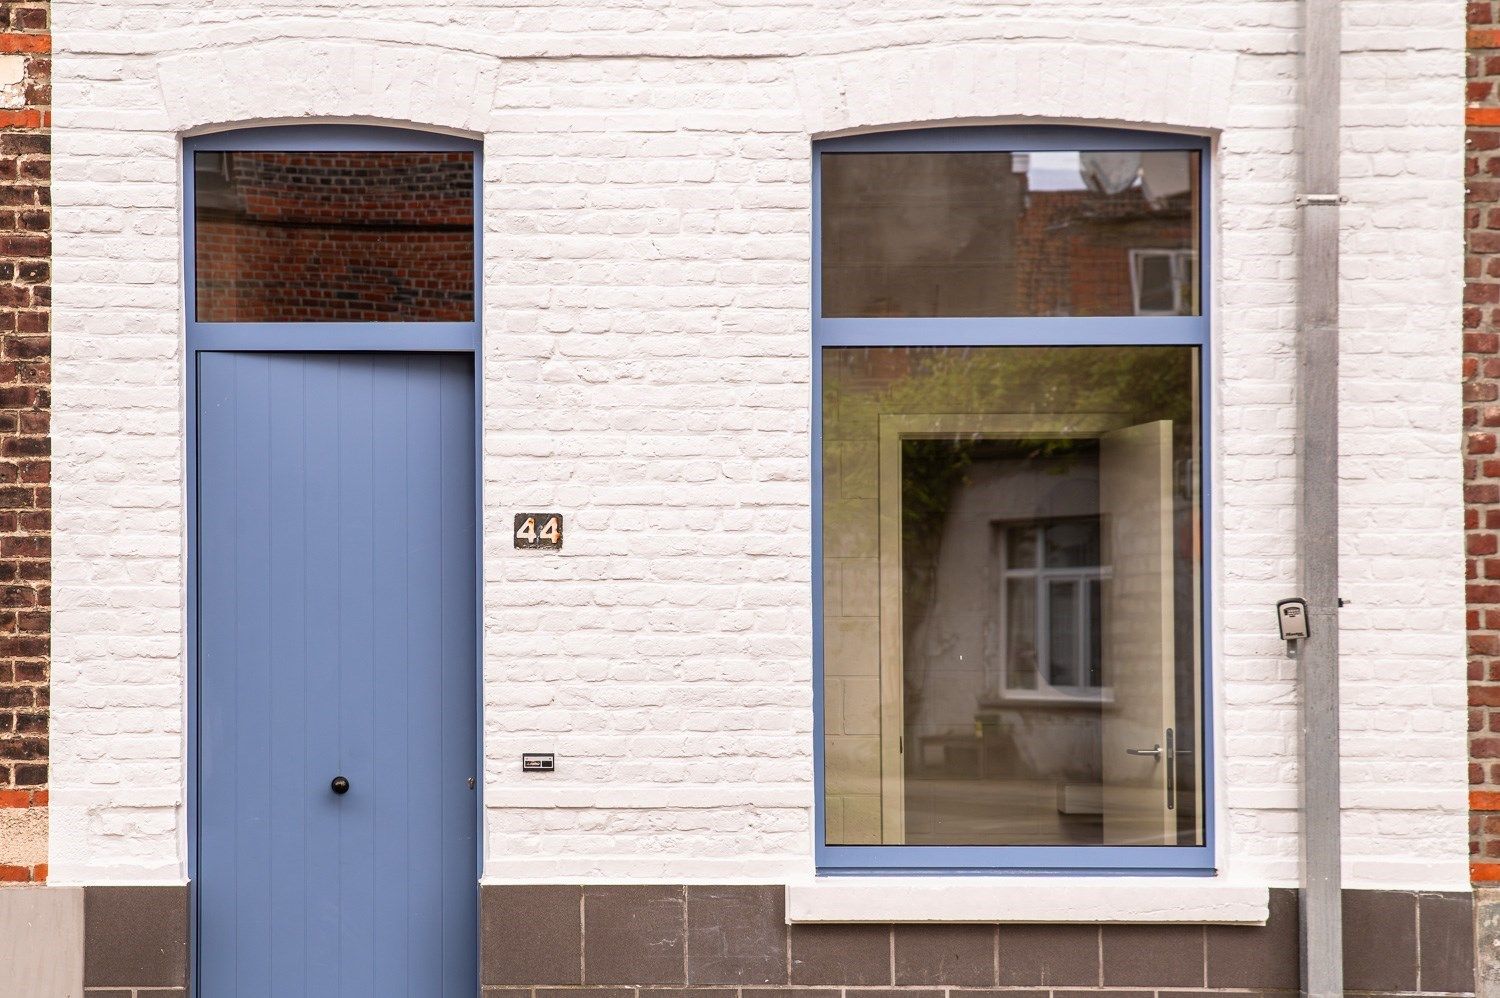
(289, 337)
(1195, 330)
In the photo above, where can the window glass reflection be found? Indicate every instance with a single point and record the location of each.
(334, 236)
(1011, 618)
(1074, 233)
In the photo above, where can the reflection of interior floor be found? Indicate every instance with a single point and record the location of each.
(993, 812)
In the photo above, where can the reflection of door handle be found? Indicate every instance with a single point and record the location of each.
(1171, 769)
(1154, 751)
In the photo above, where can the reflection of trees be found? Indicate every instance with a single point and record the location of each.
(932, 472)
(1134, 384)
(1138, 383)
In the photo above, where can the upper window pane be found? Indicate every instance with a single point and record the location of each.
(1076, 233)
(334, 236)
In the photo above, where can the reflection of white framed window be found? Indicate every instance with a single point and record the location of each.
(1050, 608)
(1161, 281)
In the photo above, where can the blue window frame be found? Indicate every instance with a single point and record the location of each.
(885, 307)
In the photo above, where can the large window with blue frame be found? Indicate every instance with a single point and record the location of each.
(1011, 337)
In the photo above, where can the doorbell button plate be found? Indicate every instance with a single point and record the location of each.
(538, 762)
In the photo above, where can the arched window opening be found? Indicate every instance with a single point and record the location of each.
(333, 235)
(1011, 344)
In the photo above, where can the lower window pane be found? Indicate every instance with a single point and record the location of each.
(1020, 634)
(1063, 634)
(1011, 611)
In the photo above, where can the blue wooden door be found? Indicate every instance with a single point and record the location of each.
(336, 637)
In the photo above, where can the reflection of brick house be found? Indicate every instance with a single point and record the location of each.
(997, 247)
(1074, 249)
(275, 240)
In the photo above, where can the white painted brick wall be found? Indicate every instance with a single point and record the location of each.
(647, 372)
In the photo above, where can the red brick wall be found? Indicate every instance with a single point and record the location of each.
(1073, 249)
(25, 378)
(335, 236)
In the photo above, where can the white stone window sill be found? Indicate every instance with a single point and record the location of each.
(1197, 900)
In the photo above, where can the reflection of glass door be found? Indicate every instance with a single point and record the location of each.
(1011, 646)
(943, 477)
(1138, 741)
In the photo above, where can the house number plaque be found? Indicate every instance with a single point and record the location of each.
(539, 530)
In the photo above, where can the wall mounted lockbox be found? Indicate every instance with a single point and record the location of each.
(1291, 617)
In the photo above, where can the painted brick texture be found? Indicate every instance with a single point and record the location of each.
(647, 373)
(25, 401)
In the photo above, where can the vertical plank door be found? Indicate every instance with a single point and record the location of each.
(336, 638)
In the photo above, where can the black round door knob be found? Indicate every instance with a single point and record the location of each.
(340, 785)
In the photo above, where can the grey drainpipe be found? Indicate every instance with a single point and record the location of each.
(1318, 526)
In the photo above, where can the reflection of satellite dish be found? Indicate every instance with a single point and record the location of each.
(1165, 174)
(1110, 172)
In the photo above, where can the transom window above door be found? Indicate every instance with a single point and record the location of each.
(333, 236)
(1011, 351)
